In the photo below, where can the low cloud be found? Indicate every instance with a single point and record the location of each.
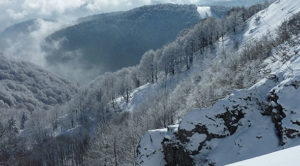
(27, 46)
(62, 13)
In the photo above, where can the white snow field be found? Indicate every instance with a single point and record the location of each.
(286, 157)
(267, 21)
(262, 23)
(204, 11)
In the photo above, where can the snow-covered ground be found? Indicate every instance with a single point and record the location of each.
(268, 20)
(137, 97)
(286, 157)
(255, 133)
(248, 123)
(204, 11)
(265, 22)
(151, 143)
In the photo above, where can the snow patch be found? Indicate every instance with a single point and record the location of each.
(195, 141)
(150, 149)
(204, 11)
(268, 20)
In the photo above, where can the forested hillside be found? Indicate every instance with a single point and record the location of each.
(29, 96)
(109, 42)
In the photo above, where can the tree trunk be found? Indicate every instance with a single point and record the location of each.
(115, 152)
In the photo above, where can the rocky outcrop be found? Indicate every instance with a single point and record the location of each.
(201, 131)
(275, 110)
(245, 124)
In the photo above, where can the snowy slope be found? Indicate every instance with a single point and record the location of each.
(138, 97)
(265, 22)
(254, 133)
(204, 11)
(151, 143)
(287, 157)
(268, 20)
(249, 122)
(24, 86)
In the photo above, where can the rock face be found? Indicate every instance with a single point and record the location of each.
(245, 124)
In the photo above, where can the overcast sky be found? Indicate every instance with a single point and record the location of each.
(13, 11)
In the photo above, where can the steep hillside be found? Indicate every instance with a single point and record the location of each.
(249, 122)
(111, 41)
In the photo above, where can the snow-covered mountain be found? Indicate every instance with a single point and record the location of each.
(186, 88)
(26, 87)
(247, 123)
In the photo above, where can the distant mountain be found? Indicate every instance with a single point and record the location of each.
(115, 40)
(22, 27)
(19, 32)
(11, 33)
